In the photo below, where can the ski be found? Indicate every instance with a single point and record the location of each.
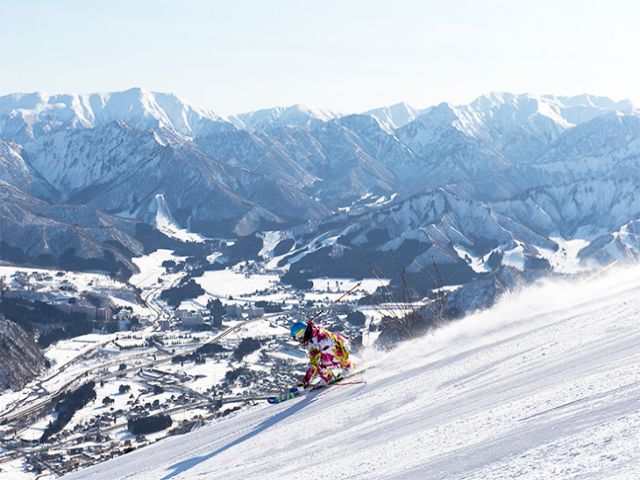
(292, 393)
(295, 392)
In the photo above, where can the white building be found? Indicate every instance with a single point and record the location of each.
(255, 312)
(123, 315)
(189, 319)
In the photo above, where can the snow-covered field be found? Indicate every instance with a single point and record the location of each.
(151, 270)
(544, 385)
(565, 259)
(225, 283)
(58, 285)
(236, 286)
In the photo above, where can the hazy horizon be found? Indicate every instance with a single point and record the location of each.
(340, 56)
(317, 107)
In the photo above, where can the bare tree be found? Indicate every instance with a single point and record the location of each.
(416, 313)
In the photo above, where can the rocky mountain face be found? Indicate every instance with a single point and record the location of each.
(465, 239)
(607, 146)
(621, 244)
(473, 187)
(16, 171)
(76, 237)
(470, 239)
(487, 148)
(22, 360)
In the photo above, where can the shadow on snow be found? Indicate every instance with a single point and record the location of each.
(185, 465)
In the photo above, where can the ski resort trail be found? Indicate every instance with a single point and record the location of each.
(546, 384)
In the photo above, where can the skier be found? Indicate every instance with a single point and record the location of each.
(328, 352)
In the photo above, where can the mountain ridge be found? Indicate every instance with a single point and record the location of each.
(146, 109)
(296, 169)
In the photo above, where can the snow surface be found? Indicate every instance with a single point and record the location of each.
(151, 268)
(167, 225)
(543, 385)
(270, 240)
(514, 257)
(225, 283)
(14, 470)
(80, 280)
(476, 263)
(565, 259)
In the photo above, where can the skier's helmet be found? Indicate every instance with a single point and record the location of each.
(297, 330)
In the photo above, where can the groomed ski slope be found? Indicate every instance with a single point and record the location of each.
(544, 385)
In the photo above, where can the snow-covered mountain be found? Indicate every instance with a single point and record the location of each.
(25, 116)
(74, 237)
(394, 116)
(543, 385)
(293, 116)
(525, 167)
(607, 146)
(121, 169)
(487, 147)
(593, 205)
(619, 245)
(500, 120)
(583, 108)
(15, 171)
(391, 153)
(468, 241)
(334, 160)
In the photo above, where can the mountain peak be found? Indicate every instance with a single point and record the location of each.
(296, 115)
(33, 113)
(394, 116)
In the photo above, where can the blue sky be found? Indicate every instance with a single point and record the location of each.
(347, 55)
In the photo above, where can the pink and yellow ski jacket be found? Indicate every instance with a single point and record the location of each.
(327, 351)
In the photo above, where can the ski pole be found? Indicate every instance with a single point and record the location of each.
(312, 318)
(599, 272)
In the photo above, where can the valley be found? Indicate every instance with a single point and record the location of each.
(154, 254)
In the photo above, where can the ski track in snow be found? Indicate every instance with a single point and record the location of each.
(546, 384)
